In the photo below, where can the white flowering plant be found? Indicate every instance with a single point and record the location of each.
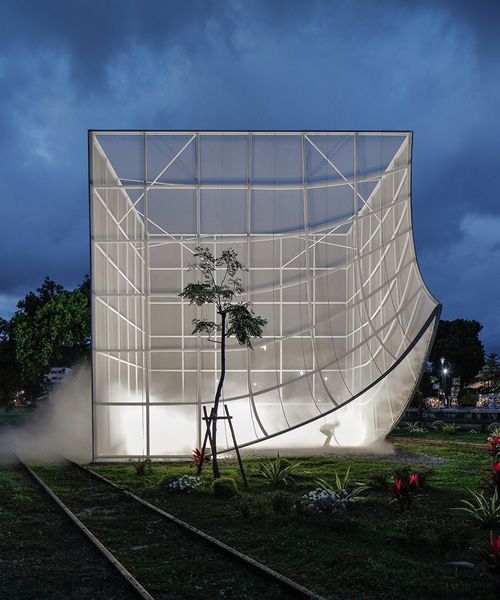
(322, 501)
(185, 484)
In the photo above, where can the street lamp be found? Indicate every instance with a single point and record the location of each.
(441, 360)
(444, 373)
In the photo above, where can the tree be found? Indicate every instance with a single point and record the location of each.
(489, 376)
(10, 370)
(458, 342)
(51, 328)
(468, 398)
(234, 317)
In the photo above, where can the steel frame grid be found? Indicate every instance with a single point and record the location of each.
(359, 214)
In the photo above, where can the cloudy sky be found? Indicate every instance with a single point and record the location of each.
(430, 66)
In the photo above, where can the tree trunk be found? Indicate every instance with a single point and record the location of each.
(218, 393)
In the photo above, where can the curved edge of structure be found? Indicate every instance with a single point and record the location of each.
(434, 316)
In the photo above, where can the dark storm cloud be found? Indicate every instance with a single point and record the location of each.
(429, 66)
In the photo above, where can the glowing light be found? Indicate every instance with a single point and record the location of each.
(445, 371)
(350, 430)
(302, 373)
(264, 348)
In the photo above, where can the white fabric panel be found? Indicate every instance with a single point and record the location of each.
(323, 223)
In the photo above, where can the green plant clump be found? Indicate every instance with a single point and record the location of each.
(283, 503)
(142, 467)
(450, 428)
(340, 486)
(482, 509)
(278, 472)
(224, 487)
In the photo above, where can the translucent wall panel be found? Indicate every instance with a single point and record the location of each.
(322, 220)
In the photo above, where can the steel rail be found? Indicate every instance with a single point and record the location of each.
(285, 582)
(131, 581)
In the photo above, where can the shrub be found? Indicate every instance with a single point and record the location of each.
(251, 508)
(185, 484)
(468, 397)
(325, 502)
(197, 457)
(492, 557)
(482, 509)
(277, 472)
(402, 490)
(491, 478)
(224, 487)
(142, 467)
(282, 503)
(493, 447)
(378, 482)
(422, 476)
(450, 428)
(494, 428)
(414, 427)
(340, 486)
(438, 425)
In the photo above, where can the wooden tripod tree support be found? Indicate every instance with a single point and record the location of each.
(208, 438)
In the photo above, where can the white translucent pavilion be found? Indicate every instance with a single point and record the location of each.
(323, 222)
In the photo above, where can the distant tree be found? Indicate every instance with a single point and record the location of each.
(10, 370)
(426, 382)
(51, 328)
(468, 397)
(220, 286)
(458, 342)
(489, 376)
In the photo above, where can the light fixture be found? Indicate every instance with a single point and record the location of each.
(302, 373)
(264, 348)
(445, 371)
(326, 378)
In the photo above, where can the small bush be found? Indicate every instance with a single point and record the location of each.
(282, 503)
(342, 487)
(278, 472)
(484, 510)
(251, 508)
(494, 428)
(184, 484)
(225, 487)
(438, 425)
(244, 506)
(414, 427)
(422, 476)
(403, 489)
(378, 482)
(450, 428)
(325, 502)
(142, 467)
(468, 398)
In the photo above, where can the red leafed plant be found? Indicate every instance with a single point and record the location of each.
(492, 556)
(402, 490)
(494, 446)
(197, 457)
(491, 478)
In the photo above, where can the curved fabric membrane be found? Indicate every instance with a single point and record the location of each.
(322, 220)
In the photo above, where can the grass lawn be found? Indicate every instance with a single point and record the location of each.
(372, 551)
(15, 416)
(431, 434)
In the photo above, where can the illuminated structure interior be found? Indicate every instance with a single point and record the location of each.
(323, 222)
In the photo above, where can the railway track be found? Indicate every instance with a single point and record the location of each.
(134, 535)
